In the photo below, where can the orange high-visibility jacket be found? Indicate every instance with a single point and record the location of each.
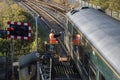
(76, 41)
(52, 39)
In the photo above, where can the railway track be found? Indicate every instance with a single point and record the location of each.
(59, 7)
(46, 15)
(68, 73)
(65, 71)
(54, 12)
(49, 20)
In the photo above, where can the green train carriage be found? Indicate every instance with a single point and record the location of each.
(99, 50)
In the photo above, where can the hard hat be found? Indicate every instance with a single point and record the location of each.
(52, 31)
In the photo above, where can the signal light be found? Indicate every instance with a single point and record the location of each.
(19, 30)
(12, 29)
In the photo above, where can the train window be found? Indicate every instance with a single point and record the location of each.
(101, 77)
(88, 48)
(69, 27)
(85, 58)
(92, 73)
(83, 41)
(74, 30)
(74, 11)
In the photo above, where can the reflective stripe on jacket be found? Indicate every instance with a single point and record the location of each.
(52, 39)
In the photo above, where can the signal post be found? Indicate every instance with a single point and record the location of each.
(17, 30)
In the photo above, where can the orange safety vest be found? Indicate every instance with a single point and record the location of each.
(52, 39)
(76, 41)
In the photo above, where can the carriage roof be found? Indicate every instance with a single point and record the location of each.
(102, 31)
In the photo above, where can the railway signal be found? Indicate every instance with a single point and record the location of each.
(3, 34)
(19, 30)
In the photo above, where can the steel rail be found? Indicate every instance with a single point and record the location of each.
(48, 25)
(48, 6)
(53, 19)
(54, 5)
(61, 17)
(38, 9)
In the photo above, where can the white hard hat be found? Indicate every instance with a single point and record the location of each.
(52, 30)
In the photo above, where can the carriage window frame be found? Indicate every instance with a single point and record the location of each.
(86, 45)
(101, 77)
(92, 71)
(70, 25)
(87, 50)
(83, 41)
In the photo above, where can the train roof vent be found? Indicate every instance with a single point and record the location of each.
(85, 8)
(73, 11)
(101, 10)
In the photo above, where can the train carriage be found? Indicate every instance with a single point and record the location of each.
(99, 50)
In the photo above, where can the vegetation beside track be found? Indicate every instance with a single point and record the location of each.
(10, 11)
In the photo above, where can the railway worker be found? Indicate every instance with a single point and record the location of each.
(52, 38)
(76, 41)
